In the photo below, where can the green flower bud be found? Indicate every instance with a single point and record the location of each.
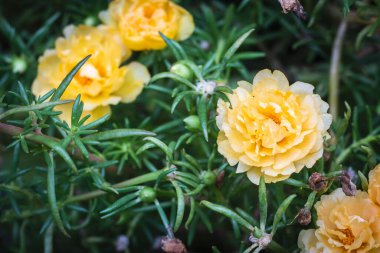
(208, 178)
(91, 21)
(182, 70)
(19, 65)
(192, 123)
(147, 194)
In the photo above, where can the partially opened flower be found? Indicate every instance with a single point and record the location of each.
(140, 21)
(271, 128)
(101, 81)
(374, 185)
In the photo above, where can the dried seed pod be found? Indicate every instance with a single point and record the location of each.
(317, 182)
(326, 155)
(294, 6)
(172, 245)
(348, 187)
(304, 216)
(220, 179)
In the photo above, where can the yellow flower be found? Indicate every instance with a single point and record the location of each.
(140, 21)
(101, 81)
(308, 242)
(348, 223)
(374, 185)
(272, 129)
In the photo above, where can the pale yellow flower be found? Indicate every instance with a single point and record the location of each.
(101, 81)
(374, 185)
(308, 242)
(348, 223)
(272, 129)
(140, 21)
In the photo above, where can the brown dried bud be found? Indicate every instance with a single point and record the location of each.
(348, 187)
(304, 216)
(317, 182)
(172, 245)
(220, 179)
(326, 155)
(294, 6)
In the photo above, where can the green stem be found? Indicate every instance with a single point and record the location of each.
(277, 248)
(334, 69)
(273, 246)
(347, 151)
(152, 176)
(48, 241)
(33, 137)
(164, 219)
(83, 197)
(32, 108)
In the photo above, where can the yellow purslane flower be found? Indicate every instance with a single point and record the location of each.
(374, 185)
(101, 81)
(272, 129)
(140, 21)
(345, 224)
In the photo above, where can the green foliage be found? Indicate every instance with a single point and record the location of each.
(152, 168)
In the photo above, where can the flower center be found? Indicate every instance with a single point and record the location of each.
(88, 73)
(148, 12)
(148, 17)
(349, 237)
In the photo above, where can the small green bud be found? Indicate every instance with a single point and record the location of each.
(182, 70)
(147, 194)
(208, 178)
(90, 21)
(192, 123)
(19, 65)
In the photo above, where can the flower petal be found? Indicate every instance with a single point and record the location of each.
(134, 80)
(301, 88)
(186, 25)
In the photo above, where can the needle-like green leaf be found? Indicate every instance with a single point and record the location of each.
(51, 193)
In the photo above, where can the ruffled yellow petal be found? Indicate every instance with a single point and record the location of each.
(135, 77)
(186, 25)
(139, 22)
(272, 129)
(345, 224)
(100, 82)
(374, 185)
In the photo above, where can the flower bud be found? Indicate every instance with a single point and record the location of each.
(90, 21)
(294, 6)
(182, 70)
(172, 245)
(326, 155)
(348, 187)
(220, 179)
(317, 182)
(192, 123)
(19, 65)
(147, 194)
(208, 178)
(304, 216)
